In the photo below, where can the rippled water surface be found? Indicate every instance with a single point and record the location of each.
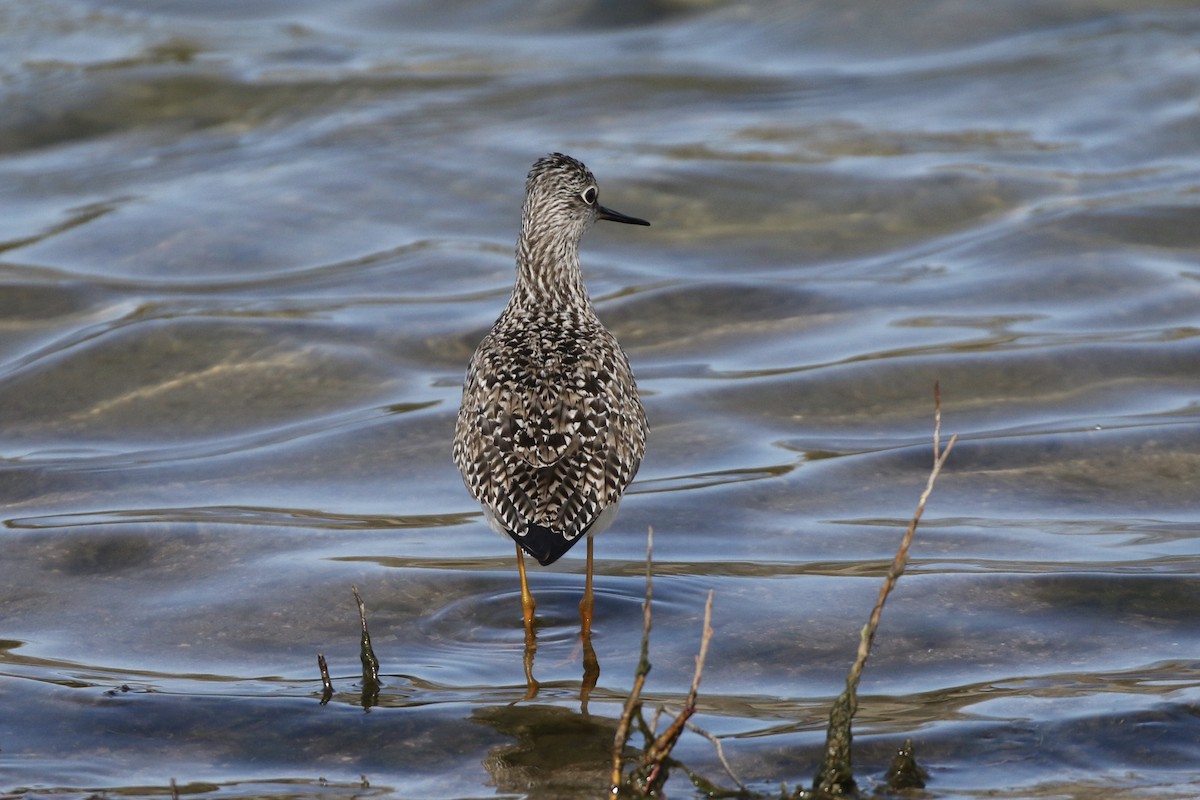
(247, 249)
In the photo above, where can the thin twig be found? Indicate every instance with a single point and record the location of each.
(369, 661)
(326, 683)
(651, 729)
(937, 420)
(836, 776)
(370, 664)
(694, 728)
(662, 746)
(897, 568)
(653, 771)
(639, 678)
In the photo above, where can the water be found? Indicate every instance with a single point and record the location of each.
(248, 250)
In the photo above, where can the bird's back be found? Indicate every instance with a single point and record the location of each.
(551, 429)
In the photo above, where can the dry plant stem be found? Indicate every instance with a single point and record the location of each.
(654, 759)
(370, 663)
(639, 678)
(648, 729)
(662, 746)
(720, 753)
(836, 776)
(326, 683)
(867, 637)
(937, 420)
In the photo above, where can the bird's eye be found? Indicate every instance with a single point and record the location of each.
(589, 195)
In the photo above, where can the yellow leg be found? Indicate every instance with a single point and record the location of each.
(527, 609)
(528, 606)
(591, 665)
(588, 604)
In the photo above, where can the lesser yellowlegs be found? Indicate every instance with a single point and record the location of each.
(551, 429)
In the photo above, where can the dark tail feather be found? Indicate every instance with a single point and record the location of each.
(545, 544)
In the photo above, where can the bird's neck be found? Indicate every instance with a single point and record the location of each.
(548, 271)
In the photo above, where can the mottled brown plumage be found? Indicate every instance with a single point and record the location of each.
(551, 429)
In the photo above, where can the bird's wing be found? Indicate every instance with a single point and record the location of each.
(549, 436)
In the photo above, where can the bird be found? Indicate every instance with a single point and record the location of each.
(551, 429)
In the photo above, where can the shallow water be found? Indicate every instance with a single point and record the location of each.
(247, 251)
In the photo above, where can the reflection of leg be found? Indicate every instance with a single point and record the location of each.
(591, 665)
(527, 609)
(591, 671)
(587, 604)
(531, 684)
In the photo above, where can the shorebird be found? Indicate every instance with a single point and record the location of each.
(551, 429)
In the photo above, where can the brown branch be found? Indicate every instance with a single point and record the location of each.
(326, 683)
(370, 664)
(656, 755)
(836, 776)
(663, 745)
(639, 677)
(716, 743)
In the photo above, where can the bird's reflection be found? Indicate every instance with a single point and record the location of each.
(556, 753)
